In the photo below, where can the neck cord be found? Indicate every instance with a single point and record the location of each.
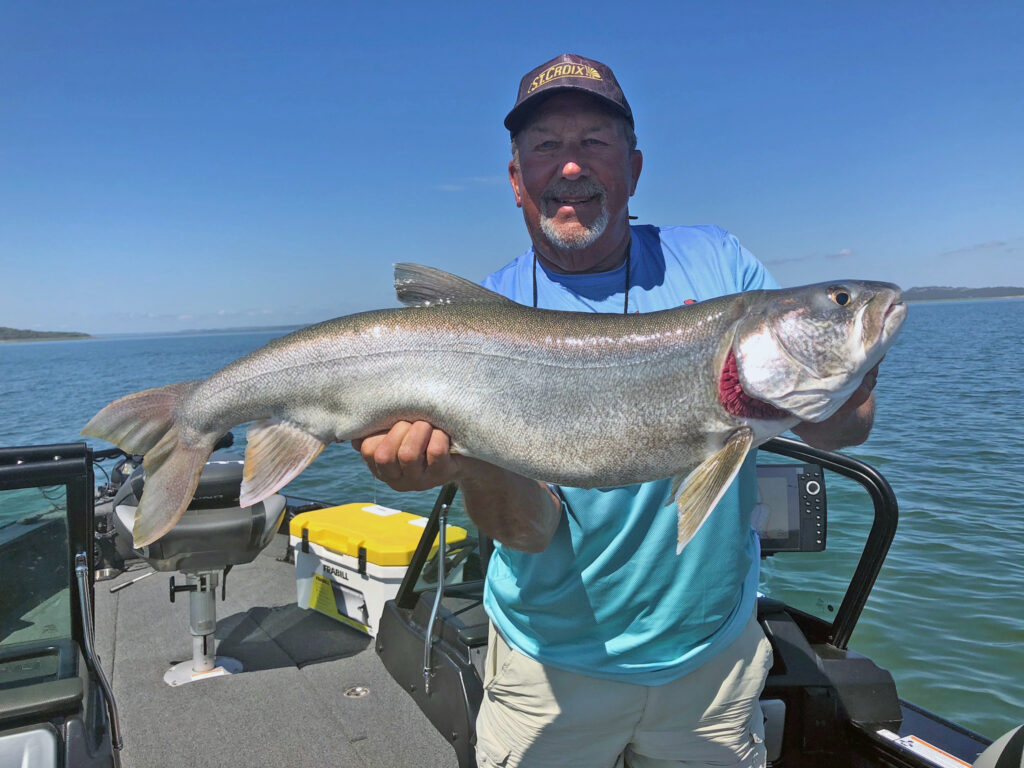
(625, 299)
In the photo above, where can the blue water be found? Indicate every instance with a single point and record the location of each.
(947, 614)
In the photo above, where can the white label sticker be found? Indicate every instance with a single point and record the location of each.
(376, 509)
(928, 751)
(419, 522)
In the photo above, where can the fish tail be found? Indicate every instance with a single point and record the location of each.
(144, 423)
(137, 422)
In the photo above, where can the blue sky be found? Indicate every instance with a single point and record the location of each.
(179, 165)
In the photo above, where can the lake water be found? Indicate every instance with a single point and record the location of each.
(946, 616)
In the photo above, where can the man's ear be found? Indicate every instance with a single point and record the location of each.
(513, 178)
(636, 164)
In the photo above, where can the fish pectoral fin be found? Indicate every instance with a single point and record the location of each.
(276, 453)
(420, 286)
(702, 489)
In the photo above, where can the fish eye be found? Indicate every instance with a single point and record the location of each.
(840, 296)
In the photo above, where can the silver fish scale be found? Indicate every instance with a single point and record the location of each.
(573, 398)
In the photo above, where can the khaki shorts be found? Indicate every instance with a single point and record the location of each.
(534, 715)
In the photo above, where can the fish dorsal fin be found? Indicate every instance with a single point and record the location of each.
(703, 488)
(419, 286)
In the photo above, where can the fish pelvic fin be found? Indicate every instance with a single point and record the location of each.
(420, 286)
(137, 422)
(697, 494)
(276, 452)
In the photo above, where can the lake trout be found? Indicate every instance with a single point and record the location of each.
(572, 398)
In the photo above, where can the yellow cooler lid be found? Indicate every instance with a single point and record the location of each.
(389, 535)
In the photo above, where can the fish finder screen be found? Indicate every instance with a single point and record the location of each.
(771, 516)
(789, 515)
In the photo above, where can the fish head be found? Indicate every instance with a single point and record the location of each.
(805, 350)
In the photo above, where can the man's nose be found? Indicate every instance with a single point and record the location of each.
(571, 170)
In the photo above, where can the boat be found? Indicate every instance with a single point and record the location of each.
(111, 656)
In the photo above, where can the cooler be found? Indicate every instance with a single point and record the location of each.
(353, 557)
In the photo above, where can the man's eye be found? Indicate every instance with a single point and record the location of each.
(546, 145)
(593, 143)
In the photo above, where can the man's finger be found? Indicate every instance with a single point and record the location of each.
(412, 451)
(383, 457)
(438, 449)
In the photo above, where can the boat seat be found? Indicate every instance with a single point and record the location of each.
(213, 535)
(214, 532)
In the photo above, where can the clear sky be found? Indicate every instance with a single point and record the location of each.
(179, 165)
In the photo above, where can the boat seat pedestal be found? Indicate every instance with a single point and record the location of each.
(202, 621)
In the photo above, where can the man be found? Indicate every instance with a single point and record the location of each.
(606, 647)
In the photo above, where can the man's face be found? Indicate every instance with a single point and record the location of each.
(574, 179)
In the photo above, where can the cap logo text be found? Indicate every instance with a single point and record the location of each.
(563, 70)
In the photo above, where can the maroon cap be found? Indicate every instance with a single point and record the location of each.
(567, 72)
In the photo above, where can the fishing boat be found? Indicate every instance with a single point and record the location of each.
(317, 652)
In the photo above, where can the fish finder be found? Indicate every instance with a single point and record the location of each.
(790, 512)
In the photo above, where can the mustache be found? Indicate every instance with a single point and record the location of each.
(574, 188)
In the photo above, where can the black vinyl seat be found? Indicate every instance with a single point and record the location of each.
(214, 533)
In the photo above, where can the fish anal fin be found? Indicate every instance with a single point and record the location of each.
(276, 453)
(697, 494)
(420, 286)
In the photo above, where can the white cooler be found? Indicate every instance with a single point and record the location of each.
(357, 557)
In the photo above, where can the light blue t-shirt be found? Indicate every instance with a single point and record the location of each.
(609, 597)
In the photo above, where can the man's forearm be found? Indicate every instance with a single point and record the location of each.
(520, 513)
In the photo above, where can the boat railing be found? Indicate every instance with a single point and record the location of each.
(880, 537)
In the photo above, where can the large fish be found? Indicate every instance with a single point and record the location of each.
(578, 399)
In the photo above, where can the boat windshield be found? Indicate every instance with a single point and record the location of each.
(35, 603)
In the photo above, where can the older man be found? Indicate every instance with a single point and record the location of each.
(607, 648)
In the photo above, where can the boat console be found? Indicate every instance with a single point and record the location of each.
(56, 705)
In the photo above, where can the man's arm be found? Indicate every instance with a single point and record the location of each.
(519, 512)
(850, 425)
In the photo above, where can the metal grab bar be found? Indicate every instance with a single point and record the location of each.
(428, 642)
(82, 575)
(883, 526)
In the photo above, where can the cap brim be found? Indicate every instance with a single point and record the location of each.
(514, 120)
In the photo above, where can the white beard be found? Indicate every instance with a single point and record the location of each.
(580, 237)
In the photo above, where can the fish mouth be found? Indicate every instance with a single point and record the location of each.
(893, 318)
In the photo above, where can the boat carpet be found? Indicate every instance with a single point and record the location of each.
(288, 706)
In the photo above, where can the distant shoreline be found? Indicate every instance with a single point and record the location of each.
(948, 293)
(962, 298)
(14, 335)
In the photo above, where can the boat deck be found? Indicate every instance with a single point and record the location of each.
(286, 708)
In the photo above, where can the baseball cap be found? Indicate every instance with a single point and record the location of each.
(567, 72)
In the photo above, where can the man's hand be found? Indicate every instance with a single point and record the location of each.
(519, 512)
(850, 425)
(410, 456)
